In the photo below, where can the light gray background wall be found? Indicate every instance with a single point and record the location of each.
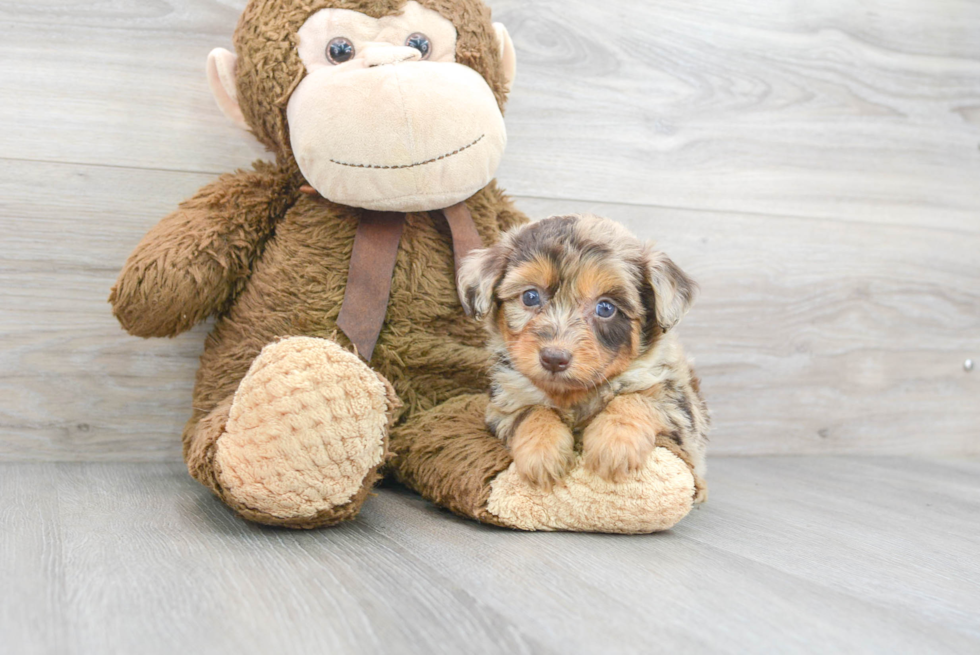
(816, 166)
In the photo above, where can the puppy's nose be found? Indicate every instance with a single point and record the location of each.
(555, 360)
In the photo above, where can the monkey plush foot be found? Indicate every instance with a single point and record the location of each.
(306, 434)
(652, 499)
(447, 454)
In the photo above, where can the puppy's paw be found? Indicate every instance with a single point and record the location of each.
(620, 439)
(543, 467)
(543, 448)
(617, 454)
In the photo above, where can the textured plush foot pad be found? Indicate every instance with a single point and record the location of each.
(654, 499)
(307, 425)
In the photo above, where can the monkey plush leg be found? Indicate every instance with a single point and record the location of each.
(449, 457)
(301, 441)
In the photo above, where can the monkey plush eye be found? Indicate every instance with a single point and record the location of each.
(605, 309)
(531, 298)
(340, 50)
(421, 43)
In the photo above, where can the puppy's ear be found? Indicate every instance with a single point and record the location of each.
(673, 291)
(478, 277)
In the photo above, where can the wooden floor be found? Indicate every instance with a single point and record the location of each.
(793, 554)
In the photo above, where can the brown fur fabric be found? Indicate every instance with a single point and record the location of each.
(451, 437)
(270, 262)
(427, 349)
(278, 276)
(193, 262)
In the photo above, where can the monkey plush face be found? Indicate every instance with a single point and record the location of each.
(382, 114)
(385, 118)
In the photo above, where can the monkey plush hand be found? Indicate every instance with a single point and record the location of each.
(340, 344)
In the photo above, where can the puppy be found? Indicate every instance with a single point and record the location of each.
(579, 313)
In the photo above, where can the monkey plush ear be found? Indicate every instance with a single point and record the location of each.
(477, 279)
(673, 290)
(508, 57)
(221, 79)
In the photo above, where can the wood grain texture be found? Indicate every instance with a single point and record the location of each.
(815, 167)
(791, 555)
(850, 111)
(72, 384)
(811, 336)
(119, 84)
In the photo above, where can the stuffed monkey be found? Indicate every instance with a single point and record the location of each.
(340, 350)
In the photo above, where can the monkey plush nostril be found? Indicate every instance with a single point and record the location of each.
(555, 360)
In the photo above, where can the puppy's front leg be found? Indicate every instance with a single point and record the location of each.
(543, 447)
(619, 440)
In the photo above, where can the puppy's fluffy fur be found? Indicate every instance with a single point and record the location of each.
(568, 373)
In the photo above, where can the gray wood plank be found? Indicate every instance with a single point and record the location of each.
(72, 382)
(812, 336)
(812, 554)
(782, 547)
(847, 111)
(852, 111)
(33, 616)
(839, 522)
(148, 563)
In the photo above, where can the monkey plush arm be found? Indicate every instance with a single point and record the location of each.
(193, 262)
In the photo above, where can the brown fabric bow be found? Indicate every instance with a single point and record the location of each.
(372, 264)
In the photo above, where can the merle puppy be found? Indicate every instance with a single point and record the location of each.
(579, 313)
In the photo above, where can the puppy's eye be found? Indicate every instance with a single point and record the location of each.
(340, 50)
(421, 43)
(605, 309)
(531, 298)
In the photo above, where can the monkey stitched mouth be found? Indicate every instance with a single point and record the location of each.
(421, 163)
